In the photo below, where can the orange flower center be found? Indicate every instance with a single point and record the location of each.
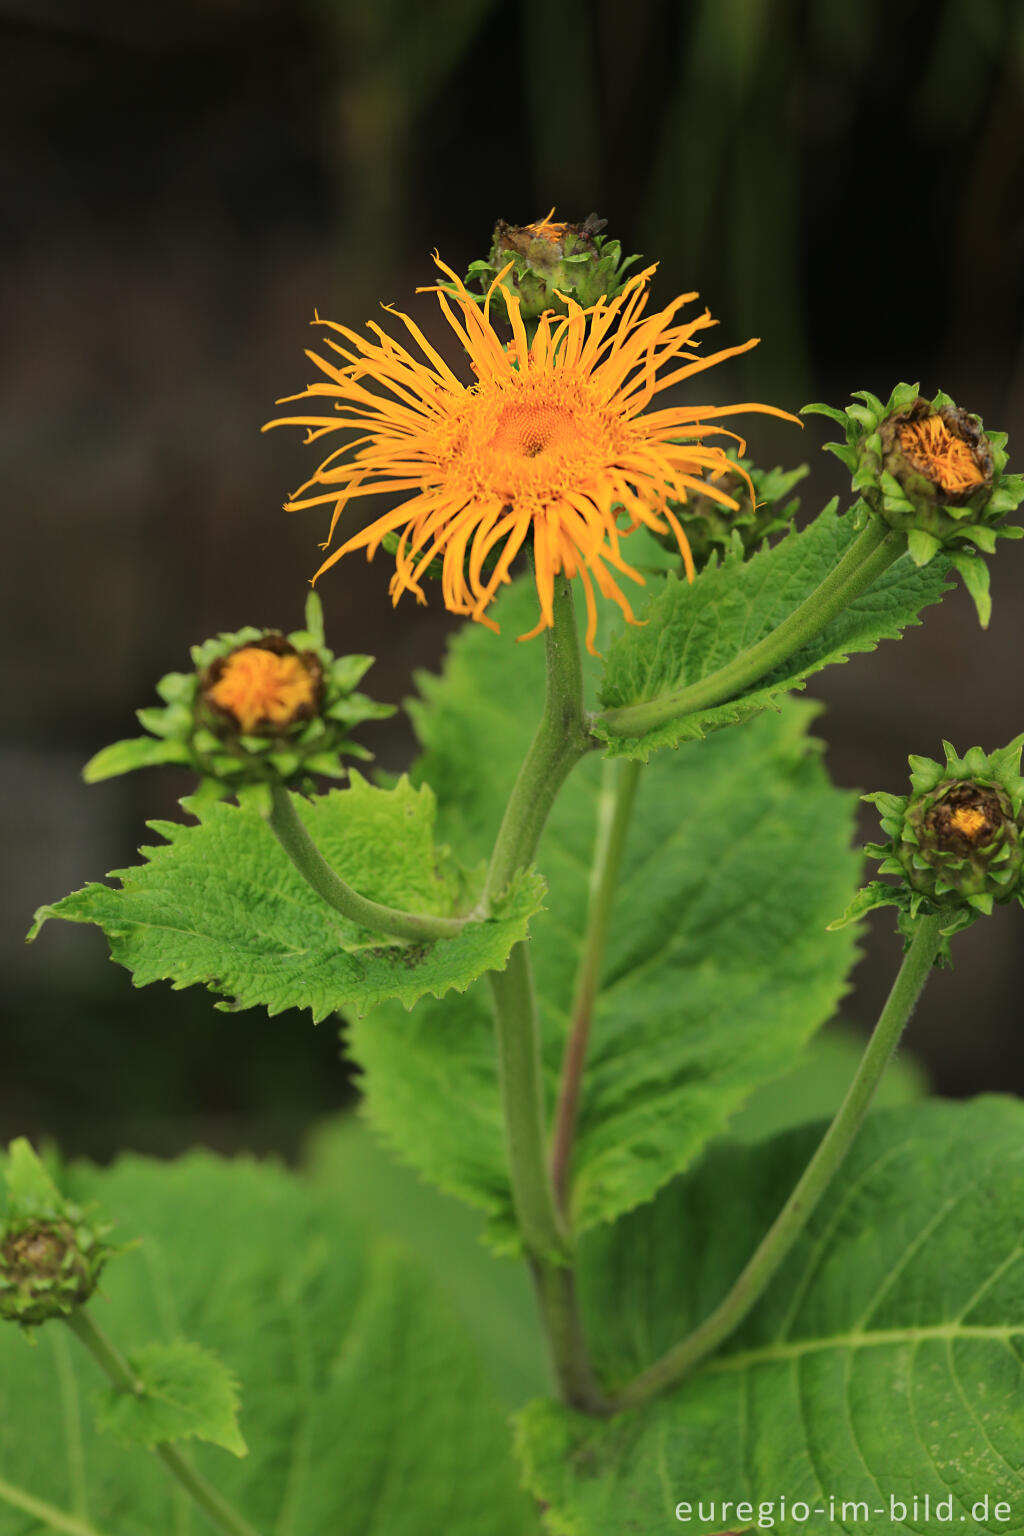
(933, 449)
(968, 821)
(524, 431)
(258, 687)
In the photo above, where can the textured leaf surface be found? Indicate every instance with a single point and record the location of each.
(717, 966)
(364, 1404)
(221, 905)
(186, 1391)
(886, 1360)
(692, 631)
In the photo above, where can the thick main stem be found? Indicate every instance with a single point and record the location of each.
(559, 742)
(615, 807)
(871, 553)
(813, 1183)
(110, 1359)
(287, 827)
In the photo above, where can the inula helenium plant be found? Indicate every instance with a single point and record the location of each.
(611, 902)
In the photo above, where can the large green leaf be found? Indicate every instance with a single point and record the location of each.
(494, 1300)
(220, 904)
(365, 1406)
(692, 631)
(886, 1361)
(717, 966)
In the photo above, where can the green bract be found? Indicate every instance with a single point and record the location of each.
(955, 840)
(937, 508)
(51, 1253)
(553, 261)
(194, 731)
(709, 526)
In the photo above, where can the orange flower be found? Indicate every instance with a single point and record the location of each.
(551, 442)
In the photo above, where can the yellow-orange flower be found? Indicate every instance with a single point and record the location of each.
(263, 688)
(552, 439)
(933, 449)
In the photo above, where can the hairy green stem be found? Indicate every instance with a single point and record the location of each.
(615, 807)
(288, 828)
(110, 1359)
(559, 742)
(517, 1034)
(817, 1176)
(871, 553)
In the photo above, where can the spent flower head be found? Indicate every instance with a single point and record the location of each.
(258, 705)
(551, 445)
(930, 469)
(51, 1252)
(546, 262)
(955, 841)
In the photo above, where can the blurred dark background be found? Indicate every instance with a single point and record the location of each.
(182, 184)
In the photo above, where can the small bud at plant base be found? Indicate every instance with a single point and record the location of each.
(931, 470)
(549, 259)
(258, 706)
(955, 840)
(51, 1255)
(712, 526)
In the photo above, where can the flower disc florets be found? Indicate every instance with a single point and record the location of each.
(549, 260)
(258, 706)
(931, 470)
(51, 1255)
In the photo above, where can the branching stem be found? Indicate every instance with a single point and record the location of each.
(288, 828)
(110, 1360)
(815, 1180)
(871, 553)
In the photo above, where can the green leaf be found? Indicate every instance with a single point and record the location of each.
(495, 1301)
(716, 970)
(366, 1407)
(139, 752)
(817, 1086)
(692, 631)
(184, 1391)
(885, 1361)
(220, 904)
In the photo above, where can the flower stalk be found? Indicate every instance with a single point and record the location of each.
(871, 553)
(560, 741)
(111, 1361)
(814, 1181)
(418, 927)
(615, 809)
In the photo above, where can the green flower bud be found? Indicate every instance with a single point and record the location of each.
(711, 526)
(548, 259)
(51, 1255)
(930, 470)
(955, 841)
(258, 706)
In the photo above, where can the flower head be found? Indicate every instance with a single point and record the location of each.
(258, 706)
(51, 1252)
(552, 443)
(956, 842)
(931, 470)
